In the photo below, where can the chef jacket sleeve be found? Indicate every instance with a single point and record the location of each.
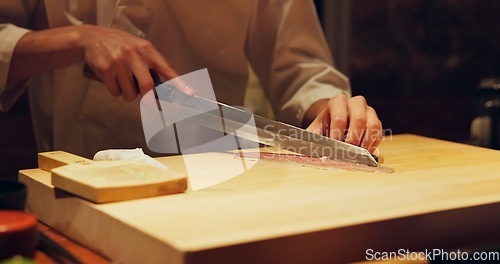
(14, 21)
(9, 36)
(288, 52)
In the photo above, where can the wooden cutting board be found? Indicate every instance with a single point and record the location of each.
(442, 195)
(109, 181)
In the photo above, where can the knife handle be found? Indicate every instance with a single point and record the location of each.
(89, 73)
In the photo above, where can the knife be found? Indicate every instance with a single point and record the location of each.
(209, 113)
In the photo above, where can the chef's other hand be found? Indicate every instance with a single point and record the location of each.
(116, 57)
(347, 119)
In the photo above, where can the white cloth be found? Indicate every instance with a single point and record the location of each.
(281, 39)
(127, 154)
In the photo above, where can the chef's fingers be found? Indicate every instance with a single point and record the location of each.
(373, 134)
(143, 78)
(156, 60)
(161, 66)
(316, 124)
(357, 120)
(112, 84)
(337, 110)
(109, 78)
(126, 83)
(375, 145)
(325, 124)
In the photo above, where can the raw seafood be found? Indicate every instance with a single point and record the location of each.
(323, 162)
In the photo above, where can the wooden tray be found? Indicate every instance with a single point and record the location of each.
(442, 195)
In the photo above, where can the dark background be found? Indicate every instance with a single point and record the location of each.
(418, 63)
(17, 142)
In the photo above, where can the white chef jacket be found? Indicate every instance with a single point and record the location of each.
(281, 39)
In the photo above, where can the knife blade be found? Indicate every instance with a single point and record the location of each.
(209, 113)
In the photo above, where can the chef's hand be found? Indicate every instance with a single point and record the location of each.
(116, 57)
(347, 119)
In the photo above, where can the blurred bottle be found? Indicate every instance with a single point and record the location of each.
(485, 129)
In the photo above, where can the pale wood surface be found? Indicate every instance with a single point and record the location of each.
(53, 159)
(442, 195)
(109, 181)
